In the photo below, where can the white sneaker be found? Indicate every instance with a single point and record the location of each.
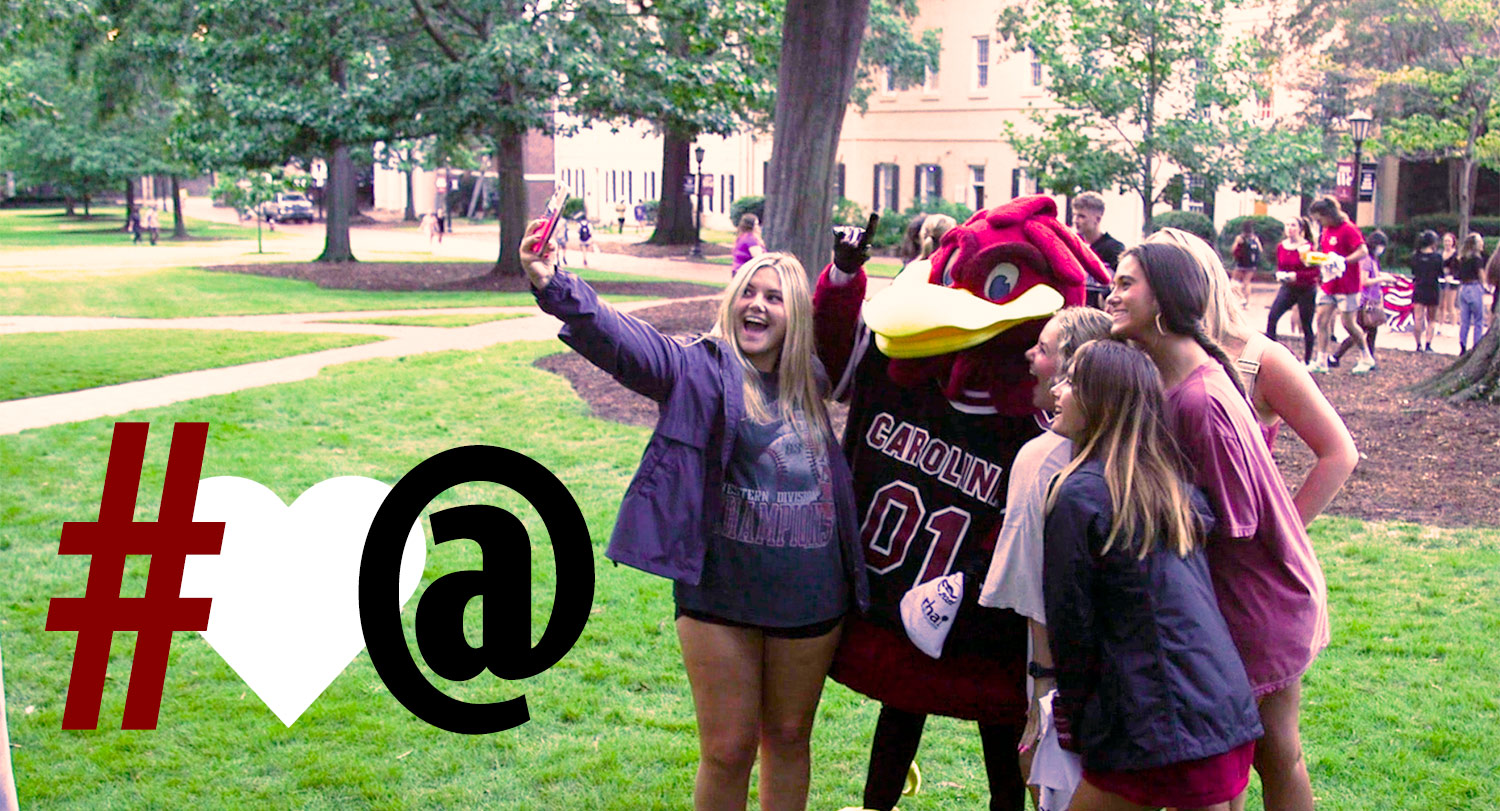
(1364, 365)
(1318, 367)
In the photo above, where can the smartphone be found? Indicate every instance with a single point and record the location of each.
(869, 230)
(554, 211)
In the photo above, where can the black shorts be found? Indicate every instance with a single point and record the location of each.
(795, 632)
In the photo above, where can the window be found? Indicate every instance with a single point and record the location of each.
(1195, 193)
(1036, 69)
(890, 80)
(1267, 106)
(629, 187)
(650, 185)
(929, 80)
(887, 186)
(929, 184)
(726, 192)
(838, 182)
(1021, 184)
(976, 187)
(981, 63)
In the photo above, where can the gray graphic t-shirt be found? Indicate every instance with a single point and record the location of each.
(775, 560)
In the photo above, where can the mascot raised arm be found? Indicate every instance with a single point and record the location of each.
(939, 394)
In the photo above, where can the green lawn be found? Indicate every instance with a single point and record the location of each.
(1400, 712)
(183, 292)
(50, 227)
(438, 320)
(37, 363)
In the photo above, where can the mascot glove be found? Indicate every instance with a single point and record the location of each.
(848, 256)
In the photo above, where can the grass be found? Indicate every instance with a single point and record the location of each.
(183, 292)
(38, 363)
(438, 320)
(1399, 713)
(51, 228)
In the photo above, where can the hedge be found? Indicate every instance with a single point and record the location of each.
(753, 204)
(1189, 221)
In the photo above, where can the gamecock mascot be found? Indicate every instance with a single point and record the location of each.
(939, 394)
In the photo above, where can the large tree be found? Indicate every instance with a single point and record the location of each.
(500, 67)
(291, 80)
(1144, 89)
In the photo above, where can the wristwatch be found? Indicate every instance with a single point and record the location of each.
(1036, 671)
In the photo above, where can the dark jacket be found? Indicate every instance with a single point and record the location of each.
(1147, 674)
(666, 516)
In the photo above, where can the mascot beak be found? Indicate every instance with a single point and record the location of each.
(914, 318)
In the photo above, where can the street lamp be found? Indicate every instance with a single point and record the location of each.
(1359, 130)
(698, 228)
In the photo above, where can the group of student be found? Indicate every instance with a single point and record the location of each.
(1440, 275)
(1175, 603)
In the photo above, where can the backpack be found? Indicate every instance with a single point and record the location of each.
(1247, 255)
(585, 233)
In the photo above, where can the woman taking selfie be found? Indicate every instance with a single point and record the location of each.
(744, 500)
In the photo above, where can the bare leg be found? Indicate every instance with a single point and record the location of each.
(724, 667)
(791, 684)
(1351, 324)
(1278, 756)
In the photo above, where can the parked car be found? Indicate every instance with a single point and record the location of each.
(292, 206)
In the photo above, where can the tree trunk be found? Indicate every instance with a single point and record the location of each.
(511, 177)
(1474, 376)
(69, 210)
(336, 246)
(411, 204)
(820, 42)
(1466, 193)
(674, 213)
(179, 227)
(129, 202)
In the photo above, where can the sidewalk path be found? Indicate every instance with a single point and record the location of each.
(104, 401)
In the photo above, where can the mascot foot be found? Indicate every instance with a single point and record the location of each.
(913, 781)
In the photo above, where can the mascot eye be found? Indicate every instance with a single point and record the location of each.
(1002, 281)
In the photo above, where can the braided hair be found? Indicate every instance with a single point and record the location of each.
(1181, 289)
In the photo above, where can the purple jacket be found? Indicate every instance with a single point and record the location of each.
(664, 524)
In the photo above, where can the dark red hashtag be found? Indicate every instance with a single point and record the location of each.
(163, 609)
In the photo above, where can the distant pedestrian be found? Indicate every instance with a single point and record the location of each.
(1426, 291)
(911, 243)
(1466, 269)
(429, 227)
(563, 235)
(585, 238)
(1372, 312)
(152, 225)
(133, 222)
(640, 215)
(1448, 304)
(747, 243)
(442, 224)
(620, 214)
(1246, 251)
(1299, 284)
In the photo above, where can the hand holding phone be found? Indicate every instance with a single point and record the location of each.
(851, 245)
(554, 211)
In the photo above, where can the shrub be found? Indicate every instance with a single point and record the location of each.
(848, 212)
(1268, 229)
(1189, 221)
(754, 204)
(573, 208)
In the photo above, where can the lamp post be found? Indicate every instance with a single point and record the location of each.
(1359, 130)
(698, 222)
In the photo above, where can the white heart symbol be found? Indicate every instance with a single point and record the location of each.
(285, 584)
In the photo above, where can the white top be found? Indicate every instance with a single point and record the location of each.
(1015, 577)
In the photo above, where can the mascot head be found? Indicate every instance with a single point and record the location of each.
(968, 319)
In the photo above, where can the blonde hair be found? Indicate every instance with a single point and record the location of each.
(1118, 391)
(933, 229)
(1222, 318)
(800, 401)
(1076, 326)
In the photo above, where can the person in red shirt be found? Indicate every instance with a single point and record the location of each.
(1341, 294)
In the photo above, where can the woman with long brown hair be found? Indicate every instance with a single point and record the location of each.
(1267, 578)
(1150, 689)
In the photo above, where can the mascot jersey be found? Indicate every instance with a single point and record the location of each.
(930, 439)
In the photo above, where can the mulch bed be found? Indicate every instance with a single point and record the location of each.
(1421, 460)
(440, 277)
